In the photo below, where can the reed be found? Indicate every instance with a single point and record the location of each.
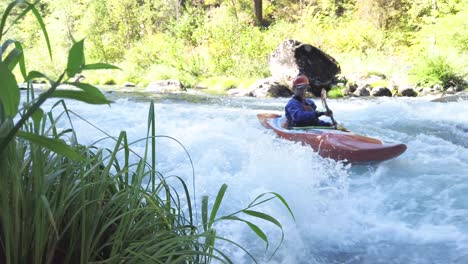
(63, 202)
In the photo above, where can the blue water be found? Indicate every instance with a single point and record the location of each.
(411, 209)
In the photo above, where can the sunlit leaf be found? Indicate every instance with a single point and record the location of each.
(9, 91)
(57, 146)
(5, 45)
(13, 58)
(22, 62)
(88, 88)
(38, 75)
(37, 117)
(76, 59)
(100, 66)
(80, 96)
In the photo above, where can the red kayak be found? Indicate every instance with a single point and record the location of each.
(333, 143)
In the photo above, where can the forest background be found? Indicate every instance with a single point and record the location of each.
(222, 44)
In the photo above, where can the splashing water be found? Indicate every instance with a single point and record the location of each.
(412, 209)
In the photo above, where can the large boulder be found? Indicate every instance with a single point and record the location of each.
(292, 57)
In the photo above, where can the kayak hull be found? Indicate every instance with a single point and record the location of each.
(335, 144)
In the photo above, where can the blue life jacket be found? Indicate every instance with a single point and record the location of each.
(302, 113)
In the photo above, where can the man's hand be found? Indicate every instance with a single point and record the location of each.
(327, 113)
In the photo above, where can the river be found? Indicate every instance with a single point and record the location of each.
(411, 209)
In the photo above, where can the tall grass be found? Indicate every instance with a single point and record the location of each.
(63, 202)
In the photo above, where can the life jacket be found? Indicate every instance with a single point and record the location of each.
(307, 107)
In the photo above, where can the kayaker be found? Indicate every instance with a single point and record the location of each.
(301, 111)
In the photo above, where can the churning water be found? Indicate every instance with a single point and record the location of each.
(412, 209)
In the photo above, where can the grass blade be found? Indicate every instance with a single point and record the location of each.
(216, 205)
(46, 204)
(205, 212)
(9, 91)
(17, 56)
(275, 195)
(283, 201)
(13, 58)
(41, 23)
(252, 226)
(263, 216)
(6, 13)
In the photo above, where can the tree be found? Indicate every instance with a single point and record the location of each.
(258, 5)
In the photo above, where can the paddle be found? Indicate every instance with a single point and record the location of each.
(325, 105)
(324, 102)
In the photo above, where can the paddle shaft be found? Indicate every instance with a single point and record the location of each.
(324, 102)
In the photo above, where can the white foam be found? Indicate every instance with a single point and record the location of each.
(360, 214)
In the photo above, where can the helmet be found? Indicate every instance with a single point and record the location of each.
(300, 80)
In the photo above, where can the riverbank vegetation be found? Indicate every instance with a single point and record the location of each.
(200, 42)
(63, 202)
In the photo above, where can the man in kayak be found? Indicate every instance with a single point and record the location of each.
(301, 111)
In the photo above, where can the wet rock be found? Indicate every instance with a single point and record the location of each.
(437, 88)
(451, 90)
(292, 57)
(352, 87)
(129, 84)
(362, 91)
(238, 92)
(407, 91)
(381, 91)
(461, 96)
(165, 86)
(269, 87)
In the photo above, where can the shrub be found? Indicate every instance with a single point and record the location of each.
(336, 92)
(436, 70)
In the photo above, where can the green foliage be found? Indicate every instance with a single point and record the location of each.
(336, 92)
(437, 70)
(384, 14)
(62, 202)
(220, 83)
(199, 40)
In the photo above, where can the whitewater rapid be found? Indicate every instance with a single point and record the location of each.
(411, 209)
